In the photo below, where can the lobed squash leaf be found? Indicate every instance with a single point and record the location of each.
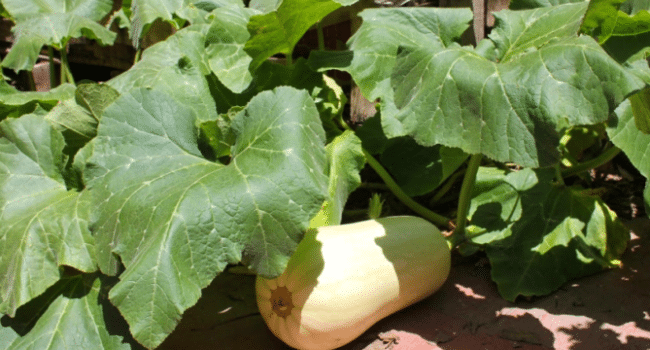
(225, 41)
(177, 61)
(175, 219)
(376, 42)
(44, 225)
(538, 234)
(53, 23)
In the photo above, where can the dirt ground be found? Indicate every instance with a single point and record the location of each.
(610, 310)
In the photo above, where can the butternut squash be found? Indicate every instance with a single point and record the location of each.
(343, 279)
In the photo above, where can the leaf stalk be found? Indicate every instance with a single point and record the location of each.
(66, 74)
(465, 197)
(50, 56)
(436, 218)
(446, 187)
(601, 159)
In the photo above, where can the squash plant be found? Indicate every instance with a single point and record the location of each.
(124, 199)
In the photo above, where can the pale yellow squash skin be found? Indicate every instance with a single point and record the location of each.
(343, 279)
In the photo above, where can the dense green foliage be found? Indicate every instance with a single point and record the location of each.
(134, 194)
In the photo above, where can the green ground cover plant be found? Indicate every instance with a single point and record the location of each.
(124, 199)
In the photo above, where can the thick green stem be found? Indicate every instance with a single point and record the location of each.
(30, 80)
(602, 158)
(50, 55)
(437, 219)
(445, 188)
(466, 195)
(373, 186)
(62, 75)
(66, 74)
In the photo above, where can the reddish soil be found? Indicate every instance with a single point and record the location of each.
(610, 310)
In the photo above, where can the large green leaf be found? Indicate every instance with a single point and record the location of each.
(279, 31)
(53, 22)
(516, 32)
(508, 99)
(176, 219)
(225, 47)
(510, 111)
(383, 30)
(54, 30)
(25, 9)
(175, 12)
(177, 67)
(538, 234)
(73, 319)
(145, 12)
(42, 224)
